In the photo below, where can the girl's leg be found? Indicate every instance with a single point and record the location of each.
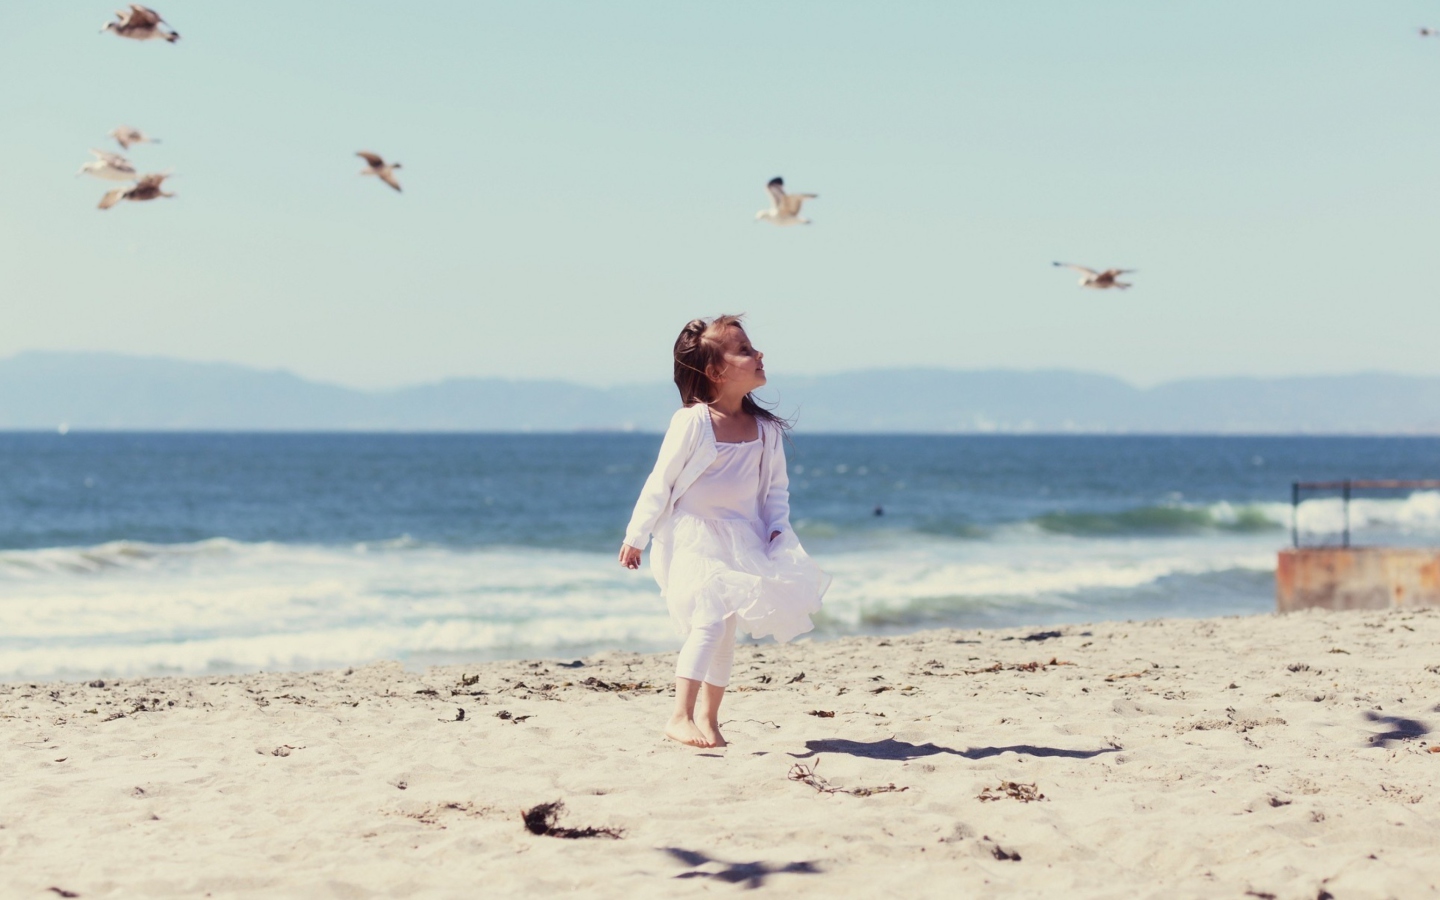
(712, 691)
(694, 663)
(681, 726)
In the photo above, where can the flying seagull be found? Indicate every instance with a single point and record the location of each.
(125, 136)
(147, 188)
(379, 168)
(140, 23)
(784, 208)
(110, 166)
(1098, 280)
(1429, 32)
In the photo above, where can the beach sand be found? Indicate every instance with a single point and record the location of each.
(1279, 756)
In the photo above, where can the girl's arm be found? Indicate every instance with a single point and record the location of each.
(680, 440)
(777, 498)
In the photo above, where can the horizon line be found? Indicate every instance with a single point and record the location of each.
(620, 385)
(66, 430)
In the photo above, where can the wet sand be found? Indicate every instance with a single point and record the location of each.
(1280, 756)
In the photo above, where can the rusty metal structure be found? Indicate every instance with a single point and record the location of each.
(1346, 488)
(1346, 577)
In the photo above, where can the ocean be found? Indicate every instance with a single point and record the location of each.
(127, 554)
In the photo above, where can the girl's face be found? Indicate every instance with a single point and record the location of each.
(744, 365)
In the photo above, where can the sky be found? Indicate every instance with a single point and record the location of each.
(581, 178)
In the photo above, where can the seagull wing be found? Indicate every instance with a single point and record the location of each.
(374, 160)
(793, 201)
(153, 180)
(142, 16)
(1081, 269)
(776, 187)
(388, 177)
(112, 197)
(114, 160)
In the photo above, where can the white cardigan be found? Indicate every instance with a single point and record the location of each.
(685, 454)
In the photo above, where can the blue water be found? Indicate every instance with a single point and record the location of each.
(125, 553)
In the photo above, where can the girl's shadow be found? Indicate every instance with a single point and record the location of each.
(890, 748)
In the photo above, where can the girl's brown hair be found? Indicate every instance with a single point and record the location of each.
(699, 351)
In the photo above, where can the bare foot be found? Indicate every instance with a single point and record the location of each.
(685, 732)
(711, 731)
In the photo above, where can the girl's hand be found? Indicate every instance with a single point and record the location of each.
(629, 557)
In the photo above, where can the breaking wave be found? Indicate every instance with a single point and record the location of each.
(1168, 520)
(127, 608)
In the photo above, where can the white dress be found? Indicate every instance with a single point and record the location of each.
(715, 558)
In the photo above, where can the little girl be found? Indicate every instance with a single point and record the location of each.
(718, 505)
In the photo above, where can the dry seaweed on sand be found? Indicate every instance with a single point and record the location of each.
(806, 775)
(1035, 666)
(596, 684)
(822, 713)
(1038, 666)
(1025, 793)
(883, 789)
(465, 687)
(542, 820)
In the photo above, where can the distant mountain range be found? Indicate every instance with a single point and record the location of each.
(92, 391)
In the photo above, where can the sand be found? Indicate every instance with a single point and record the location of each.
(1260, 756)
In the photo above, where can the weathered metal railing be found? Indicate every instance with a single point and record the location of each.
(1346, 488)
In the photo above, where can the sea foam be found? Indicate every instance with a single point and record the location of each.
(222, 605)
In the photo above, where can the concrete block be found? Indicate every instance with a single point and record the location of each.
(1357, 578)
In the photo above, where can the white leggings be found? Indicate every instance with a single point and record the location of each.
(708, 652)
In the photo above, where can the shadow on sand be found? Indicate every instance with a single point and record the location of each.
(751, 874)
(1401, 729)
(903, 750)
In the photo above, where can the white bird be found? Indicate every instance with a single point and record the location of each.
(147, 188)
(141, 23)
(379, 168)
(1098, 280)
(784, 208)
(110, 166)
(125, 136)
